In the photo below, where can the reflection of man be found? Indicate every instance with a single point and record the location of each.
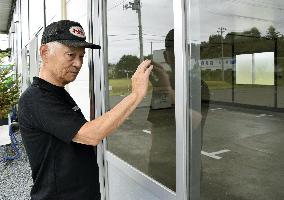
(58, 139)
(163, 151)
(162, 116)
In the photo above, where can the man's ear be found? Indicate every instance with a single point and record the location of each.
(43, 50)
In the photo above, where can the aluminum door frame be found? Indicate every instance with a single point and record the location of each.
(97, 27)
(97, 81)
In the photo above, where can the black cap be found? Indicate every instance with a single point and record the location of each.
(169, 41)
(67, 32)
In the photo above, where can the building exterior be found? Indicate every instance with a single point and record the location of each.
(232, 78)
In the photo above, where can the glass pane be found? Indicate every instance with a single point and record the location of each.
(79, 88)
(147, 139)
(280, 73)
(264, 68)
(24, 22)
(35, 18)
(242, 154)
(244, 69)
(53, 11)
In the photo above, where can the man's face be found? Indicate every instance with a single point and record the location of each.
(170, 56)
(65, 62)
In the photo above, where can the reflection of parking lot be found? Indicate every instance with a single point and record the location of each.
(251, 169)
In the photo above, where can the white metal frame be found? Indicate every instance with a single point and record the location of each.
(97, 22)
(181, 100)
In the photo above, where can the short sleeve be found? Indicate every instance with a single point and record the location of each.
(58, 118)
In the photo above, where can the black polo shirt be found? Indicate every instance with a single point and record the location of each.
(61, 169)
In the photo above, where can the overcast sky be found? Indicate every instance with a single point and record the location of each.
(157, 20)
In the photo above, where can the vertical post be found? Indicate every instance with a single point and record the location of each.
(63, 9)
(275, 73)
(29, 20)
(222, 30)
(223, 73)
(152, 50)
(136, 5)
(44, 14)
(140, 30)
(233, 68)
(63, 17)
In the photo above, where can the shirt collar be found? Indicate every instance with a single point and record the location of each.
(44, 84)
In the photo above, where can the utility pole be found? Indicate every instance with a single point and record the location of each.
(152, 50)
(221, 30)
(136, 5)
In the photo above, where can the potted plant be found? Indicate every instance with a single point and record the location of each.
(9, 90)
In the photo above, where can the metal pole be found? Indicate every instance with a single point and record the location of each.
(140, 31)
(222, 30)
(152, 50)
(223, 73)
(233, 69)
(44, 14)
(63, 10)
(275, 73)
(136, 5)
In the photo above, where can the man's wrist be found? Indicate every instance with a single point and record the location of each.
(135, 97)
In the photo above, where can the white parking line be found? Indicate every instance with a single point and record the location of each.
(146, 131)
(213, 154)
(263, 115)
(213, 109)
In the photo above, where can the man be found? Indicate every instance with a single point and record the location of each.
(58, 139)
(162, 117)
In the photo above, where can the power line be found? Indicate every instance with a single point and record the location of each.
(258, 4)
(134, 34)
(118, 4)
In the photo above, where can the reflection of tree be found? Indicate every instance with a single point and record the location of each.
(246, 42)
(127, 63)
(249, 41)
(126, 66)
(272, 33)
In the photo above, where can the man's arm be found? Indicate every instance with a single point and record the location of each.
(93, 132)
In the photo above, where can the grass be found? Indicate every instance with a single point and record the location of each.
(213, 85)
(123, 86)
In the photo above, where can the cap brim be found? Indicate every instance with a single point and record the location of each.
(84, 44)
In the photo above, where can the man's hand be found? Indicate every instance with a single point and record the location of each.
(163, 79)
(140, 79)
(91, 133)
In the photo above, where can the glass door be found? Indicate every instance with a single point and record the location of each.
(235, 72)
(141, 154)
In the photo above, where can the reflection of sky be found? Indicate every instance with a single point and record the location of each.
(240, 15)
(157, 20)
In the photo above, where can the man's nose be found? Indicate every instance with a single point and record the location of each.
(78, 62)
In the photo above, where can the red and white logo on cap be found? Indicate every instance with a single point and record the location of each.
(77, 31)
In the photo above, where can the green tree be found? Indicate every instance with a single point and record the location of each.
(9, 90)
(111, 71)
(253, 32)
(126, 65)
(272, 33)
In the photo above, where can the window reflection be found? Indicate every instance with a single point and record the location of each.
(147, 139)
(242, 134)
(162, 115)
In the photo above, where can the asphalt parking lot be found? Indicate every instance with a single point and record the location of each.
(252, 168)
(242, 155)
